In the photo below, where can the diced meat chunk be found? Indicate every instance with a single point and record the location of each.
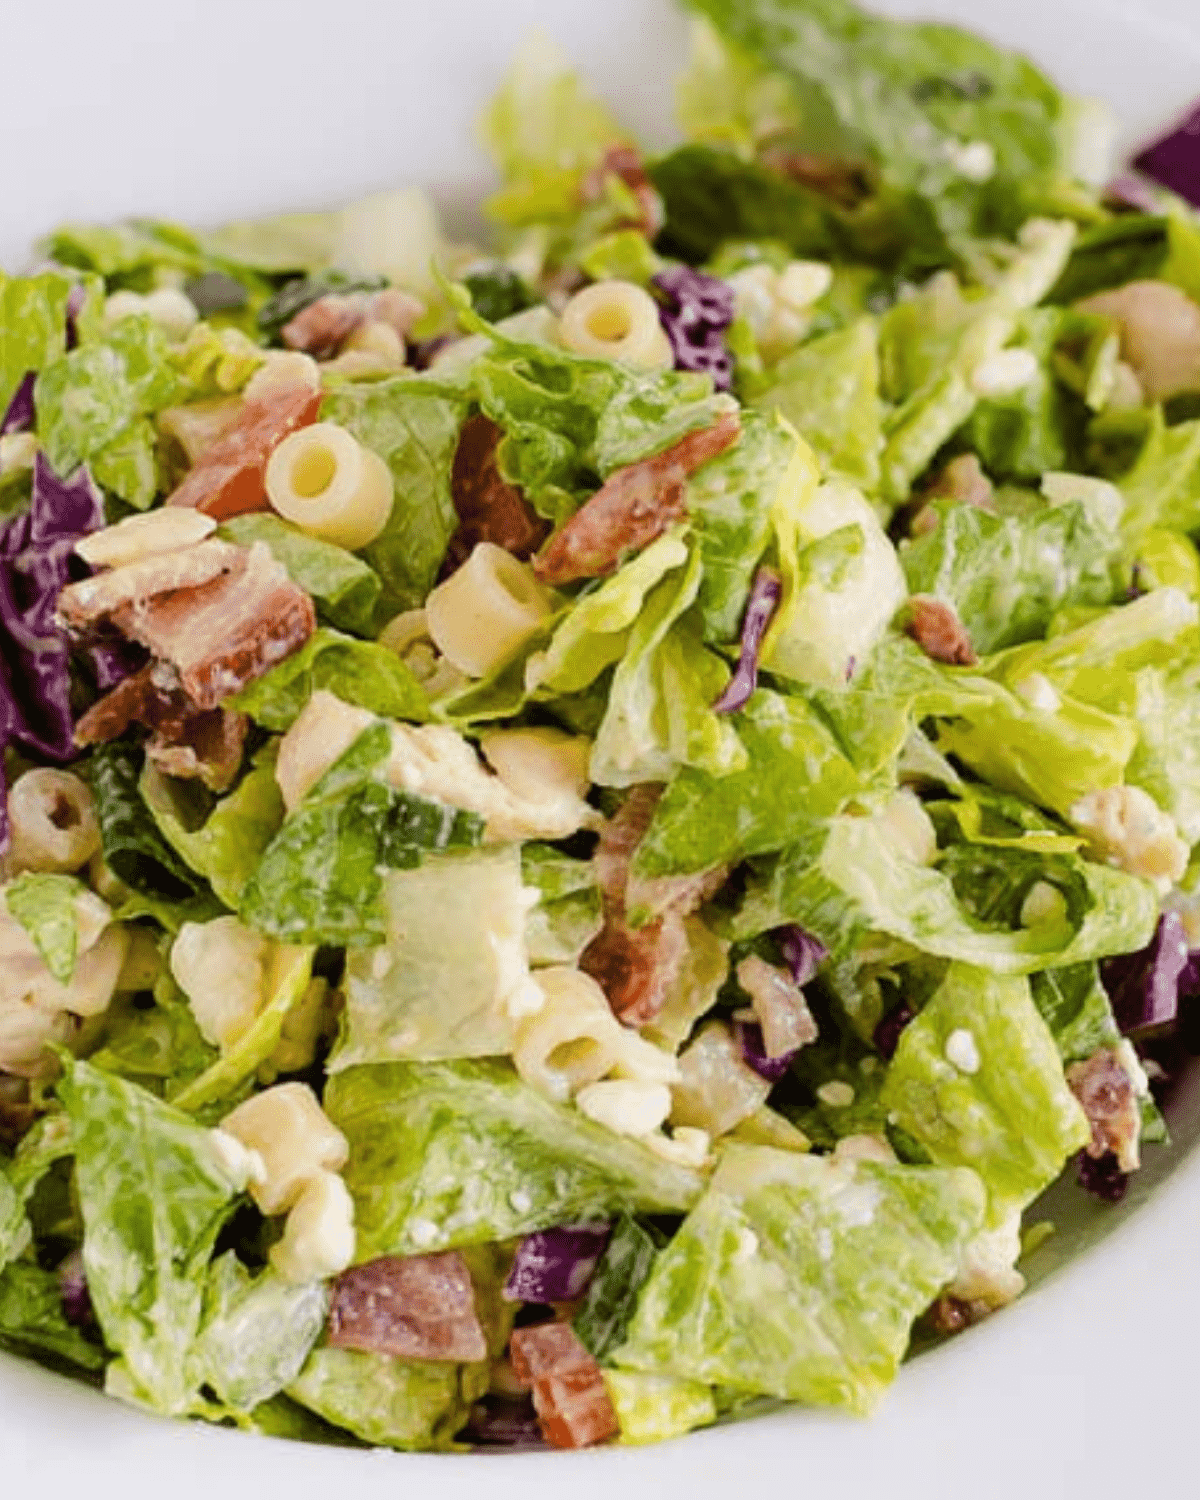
(569, 1394)
(408, 1307)
(324, 325)
(964, 481)
(1104, 1087)
(1160, 334)
(489, 508)
(625, 162)
(635, 505)
(620, 837)
(228, 478)
(636, 967)
(939, 632)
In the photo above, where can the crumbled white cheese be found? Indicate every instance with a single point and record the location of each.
(986, 1269)
(974, 160)
(836, 1095)
(962, 1051)
(685, 1146)
(1127, 827)
(1038, 691)
(423, 1232)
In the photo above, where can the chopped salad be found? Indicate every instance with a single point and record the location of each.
(590, 821)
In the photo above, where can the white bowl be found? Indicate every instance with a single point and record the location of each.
(1085, 1388)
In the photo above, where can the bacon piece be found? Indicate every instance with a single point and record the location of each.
(489, 508)
(635, 505)
(1106, 1091)
(208, 748)
(569, 1394)
(620, 837)
(228, 478)
(939, 632)
(324, 325)
(410, 1307)
(94, 601)
(625, 162)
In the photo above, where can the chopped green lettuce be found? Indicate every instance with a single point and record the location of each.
(1163, 487)
(134, 849)
(1075, 1006)
(613, 1292)
(32, 1322)
(154, 1196)
(127, 253)
(800, 1277)
(56, 911)
(33, 326)
(447, 1154)
(360, 672)
(652, 1408)
(568, 914)
(978, 1081)
(345, 589)
(389, 1402)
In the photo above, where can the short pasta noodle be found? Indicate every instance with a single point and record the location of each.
(52, 821)
(616, 320)
(486, 610)
(324, 481)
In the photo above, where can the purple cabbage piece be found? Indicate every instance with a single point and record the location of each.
(1126, 191)
(886, 1035)
(555, 1265)
(113, 662)
(76, 298)
(754, 1053)
(36, 560)
(73, 1291)
(499, 1422)
(803, 953)
(1102, 1177)
(765, 594)
(696, 312)
(20, 415)
(1174, 160)
(1144, 987)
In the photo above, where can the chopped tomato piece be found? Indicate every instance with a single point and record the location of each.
(569, 1395)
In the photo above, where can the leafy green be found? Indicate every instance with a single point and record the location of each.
(154, 1196)
(978, 1081)
(800, 1277)
(47, 907)
(386, 1401)
(32, 1321)
(1006, 576)
(796, 775)
(128, 252)
(1166, 762)
(319, 879)
(1163, 487)
(569, 914)
(452, 956)
(1075, 1006)
(413, 424)
(226, 846)
(134, 849)
(613, 1291)
(651, 1408)
(33, 326)
(159, 1047)
(344, 588)
(360, 672)
(445, 1154)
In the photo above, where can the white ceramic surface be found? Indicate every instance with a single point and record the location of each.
(1083, 1391)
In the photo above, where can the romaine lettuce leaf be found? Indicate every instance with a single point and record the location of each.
(1006, 576)
(344, 588)
(800, 1277)
(33, 317)
(569, 914)
(652, 1408)
(453, 955)
(1075, 1006)
(32, 1321)
(723, 97)
(389, 1402)
(413, 424)
(159, 1047)
(1163, 487)
(796, 776)
(612, 1294)
(1166, 762)
(129, 252)
(134, 850)
(360, 672)
(448, 1154)
(154, 1196)
(56, 911)
(978, 1081)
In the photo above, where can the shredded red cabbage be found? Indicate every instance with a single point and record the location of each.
(754, 1053)
(76, 297)
(886, 1035)
(19, 416)
(555, 1265)
(696, 311)
(1102, 1177)
(803, 953)
(73, 1291)
(504, 1422)
(1174, 160)
(1145, 987)
(765, 593)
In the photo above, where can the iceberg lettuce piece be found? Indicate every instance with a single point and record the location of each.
(453, 968)
(1163, 487)
(1166, 762)
(1075, 1006)
(855, 878)
(130, 252)
(1006, 576)
(390, 1402)
(659, 714)
(978, 1081)
(154, 1195)
(724, 98)
(652, 1408)
(14, 1226)
(796, 775)
(344, 588)
(413, 424)
(614, 1289)
(225, 846)
(828, 389)
(800, 1277)
(360, 672)
(450, 1154)
(842, 581)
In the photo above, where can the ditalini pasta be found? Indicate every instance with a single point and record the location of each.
(52, 822)
(486, 610)
(616, 320)
(323, 480)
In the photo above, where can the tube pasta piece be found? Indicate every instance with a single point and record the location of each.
(536, 762)
(616, 320)
(483, 613)
(294, 1137)
(324, 481)
(52, 822)
(573, 1041)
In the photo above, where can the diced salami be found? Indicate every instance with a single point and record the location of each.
(637, 966)
(635, 505)
(409, 1307)
(939, 632)
(569, 1394)
(489, 508)
(228, 478)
